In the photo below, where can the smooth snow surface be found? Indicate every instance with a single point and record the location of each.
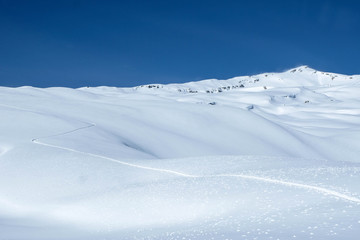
(271, 156)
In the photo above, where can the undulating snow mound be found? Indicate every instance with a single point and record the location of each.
(271, 156)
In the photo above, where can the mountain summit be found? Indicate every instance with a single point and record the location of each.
(295, 77)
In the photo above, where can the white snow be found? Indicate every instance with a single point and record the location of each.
(271, 156)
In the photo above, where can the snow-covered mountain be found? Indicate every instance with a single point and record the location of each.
(300, 76)
(269, 156)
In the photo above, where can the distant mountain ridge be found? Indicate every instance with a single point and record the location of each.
(295, 77)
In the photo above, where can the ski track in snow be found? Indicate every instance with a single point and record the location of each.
(298, 185)
(115, 160)
(321, 190)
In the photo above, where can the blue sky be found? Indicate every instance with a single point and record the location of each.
(128, 43)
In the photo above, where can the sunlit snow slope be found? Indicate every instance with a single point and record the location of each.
(271, 156)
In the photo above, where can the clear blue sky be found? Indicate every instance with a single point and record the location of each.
(127, 43)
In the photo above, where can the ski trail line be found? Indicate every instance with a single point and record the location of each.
(298, 185)
(118, 161)
(89, 125)
(321, 190)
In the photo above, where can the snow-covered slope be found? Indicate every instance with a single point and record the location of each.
(270, 156)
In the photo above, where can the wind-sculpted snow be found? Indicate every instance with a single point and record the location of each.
(182, 174)
(271, 156)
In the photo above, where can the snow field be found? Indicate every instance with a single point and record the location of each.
(161, 162)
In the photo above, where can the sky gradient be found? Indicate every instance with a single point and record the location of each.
(128, 43)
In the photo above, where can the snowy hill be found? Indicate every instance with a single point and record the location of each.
(296, 77)
(270, 156)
